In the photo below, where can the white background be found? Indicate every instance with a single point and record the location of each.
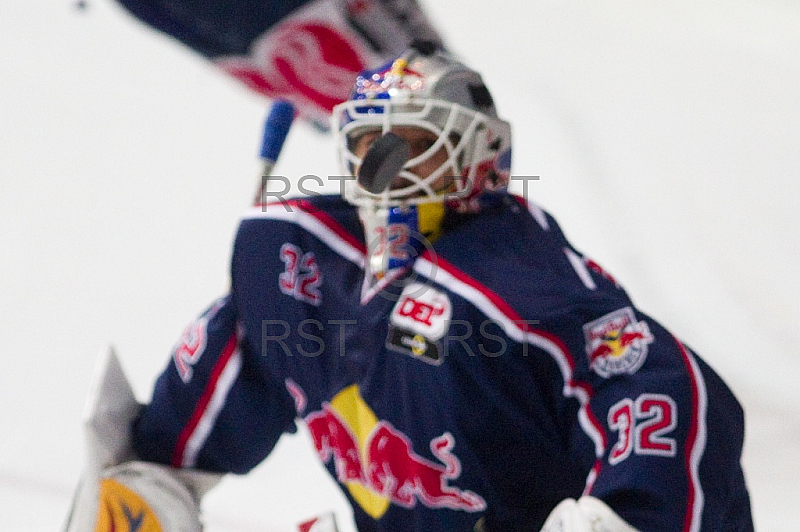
(666, 140)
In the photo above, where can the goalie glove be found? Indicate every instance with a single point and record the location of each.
(118, 493)
(587, 514)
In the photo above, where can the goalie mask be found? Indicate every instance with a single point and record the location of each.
(419, 134)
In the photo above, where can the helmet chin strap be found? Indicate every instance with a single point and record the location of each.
(392, 239)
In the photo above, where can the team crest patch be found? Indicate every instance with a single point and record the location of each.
(617, 343)
(419, 319)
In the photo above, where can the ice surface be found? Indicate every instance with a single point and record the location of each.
(665, 137)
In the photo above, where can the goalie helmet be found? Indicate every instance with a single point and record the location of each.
(427, 99)
(430, 90)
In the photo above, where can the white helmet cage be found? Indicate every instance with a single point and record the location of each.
(436, 93)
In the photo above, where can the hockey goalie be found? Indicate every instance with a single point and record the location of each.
(460, 366)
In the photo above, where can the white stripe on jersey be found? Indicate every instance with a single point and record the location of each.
(513, 327)
(206, 423)
(580, 268)
(699, 445)
(538, 214)
(295, 215)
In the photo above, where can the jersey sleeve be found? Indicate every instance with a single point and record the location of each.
(664, 431)
(212, 408)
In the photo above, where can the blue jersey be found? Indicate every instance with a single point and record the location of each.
(502, 373)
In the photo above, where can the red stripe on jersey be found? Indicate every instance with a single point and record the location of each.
(590, 480)
(505, 309)
(322, 217)
(502, 306)
(592, 419)
(340, 231)
(202, 404)
(695, 443)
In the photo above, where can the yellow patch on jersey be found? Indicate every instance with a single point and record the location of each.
(361, 420)
(429, 220)
(121, 509)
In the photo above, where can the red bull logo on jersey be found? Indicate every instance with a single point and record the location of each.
(378, 463)
(617, 343)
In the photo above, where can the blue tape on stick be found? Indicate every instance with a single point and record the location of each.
(276, 127)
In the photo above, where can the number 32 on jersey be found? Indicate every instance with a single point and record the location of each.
(301, 277)
(642, 426)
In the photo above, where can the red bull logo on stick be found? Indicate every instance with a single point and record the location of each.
(616, 343)
(378, 463)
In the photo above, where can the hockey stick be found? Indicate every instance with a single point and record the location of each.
(276, 127)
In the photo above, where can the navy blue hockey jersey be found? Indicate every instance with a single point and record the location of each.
(502, 374)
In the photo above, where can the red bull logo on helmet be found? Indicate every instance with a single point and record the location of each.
(617, 343)
(378, 464)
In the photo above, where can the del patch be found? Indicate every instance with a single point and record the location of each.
(616, 343)
(418, 321)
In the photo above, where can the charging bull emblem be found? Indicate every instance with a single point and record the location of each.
(617, 343)
(378, 463)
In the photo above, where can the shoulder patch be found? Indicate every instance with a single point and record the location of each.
(616, 343)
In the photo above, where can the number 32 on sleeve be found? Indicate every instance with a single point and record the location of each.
(642, 426)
